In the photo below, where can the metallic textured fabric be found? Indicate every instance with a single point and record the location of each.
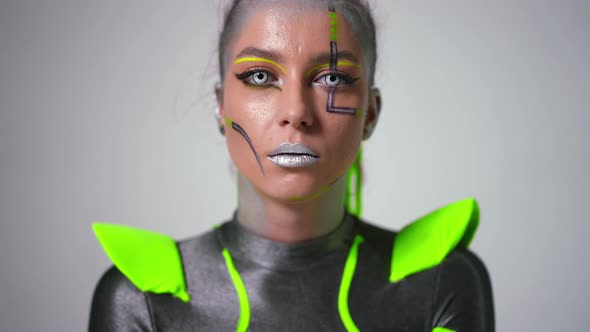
(294, 287)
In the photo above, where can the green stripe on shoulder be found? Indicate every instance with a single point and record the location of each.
(427, 241)
(151, 261)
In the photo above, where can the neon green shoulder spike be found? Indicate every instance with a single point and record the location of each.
(151, 261)
(442, 329)
(428, 240)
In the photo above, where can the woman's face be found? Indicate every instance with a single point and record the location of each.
(294, 102)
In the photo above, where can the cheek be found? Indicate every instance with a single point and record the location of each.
(345, 134)
(250, 118)
(348, 99)
(355, 96)
(340, 122)
(342, 134)
(344, 131)
(257, 109)
(250, 106)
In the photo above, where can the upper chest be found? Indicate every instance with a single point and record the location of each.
(314, 298)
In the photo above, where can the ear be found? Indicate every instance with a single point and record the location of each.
(219, 114)
(373, 111)
(218, 88)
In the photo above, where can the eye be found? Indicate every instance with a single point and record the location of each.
(334, 79)
(257, 77)
(260, 77)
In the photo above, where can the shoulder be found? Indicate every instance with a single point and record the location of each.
(463, 297)
(463, 269)
(376, 236)
(144, 262)
(426, 242)
(200, 255)
(435, 247)
(113, 284)
(462, 261)
(151, 261)
(204, 243)
(117, 303)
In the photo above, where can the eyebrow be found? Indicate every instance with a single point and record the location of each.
(342, 55)
(253, 54)
(326, 58)
(324, 65)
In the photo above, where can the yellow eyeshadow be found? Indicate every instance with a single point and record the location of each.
(340, 63)
(261, 60)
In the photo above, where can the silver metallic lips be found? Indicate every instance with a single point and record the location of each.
(293, 155)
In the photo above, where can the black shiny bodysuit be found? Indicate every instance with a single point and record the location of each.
(294, 287)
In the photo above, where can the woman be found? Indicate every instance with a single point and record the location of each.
(296, 99)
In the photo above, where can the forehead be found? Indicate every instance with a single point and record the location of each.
(293, 32)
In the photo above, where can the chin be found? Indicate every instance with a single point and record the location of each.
(291, 185)
(296, 187)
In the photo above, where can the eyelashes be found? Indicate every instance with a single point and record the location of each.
(334, 79)
(255, 76)
(258, 77)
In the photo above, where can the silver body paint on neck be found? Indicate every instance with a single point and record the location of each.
(293, 155)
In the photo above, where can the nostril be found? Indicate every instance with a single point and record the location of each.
(299, 118)
(303, 124)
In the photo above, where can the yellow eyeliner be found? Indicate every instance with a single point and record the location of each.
(340, 63)
(261, 60)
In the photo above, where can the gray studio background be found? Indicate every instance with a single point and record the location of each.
(107, 115)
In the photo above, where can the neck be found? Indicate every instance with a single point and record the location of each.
(290, 222)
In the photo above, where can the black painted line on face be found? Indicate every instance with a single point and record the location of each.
(330, 99)
(344, 110)
(333, 55)
(333, 64)
(242, 132)
(339, 110)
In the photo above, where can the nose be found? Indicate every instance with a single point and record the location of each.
(296, 108)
